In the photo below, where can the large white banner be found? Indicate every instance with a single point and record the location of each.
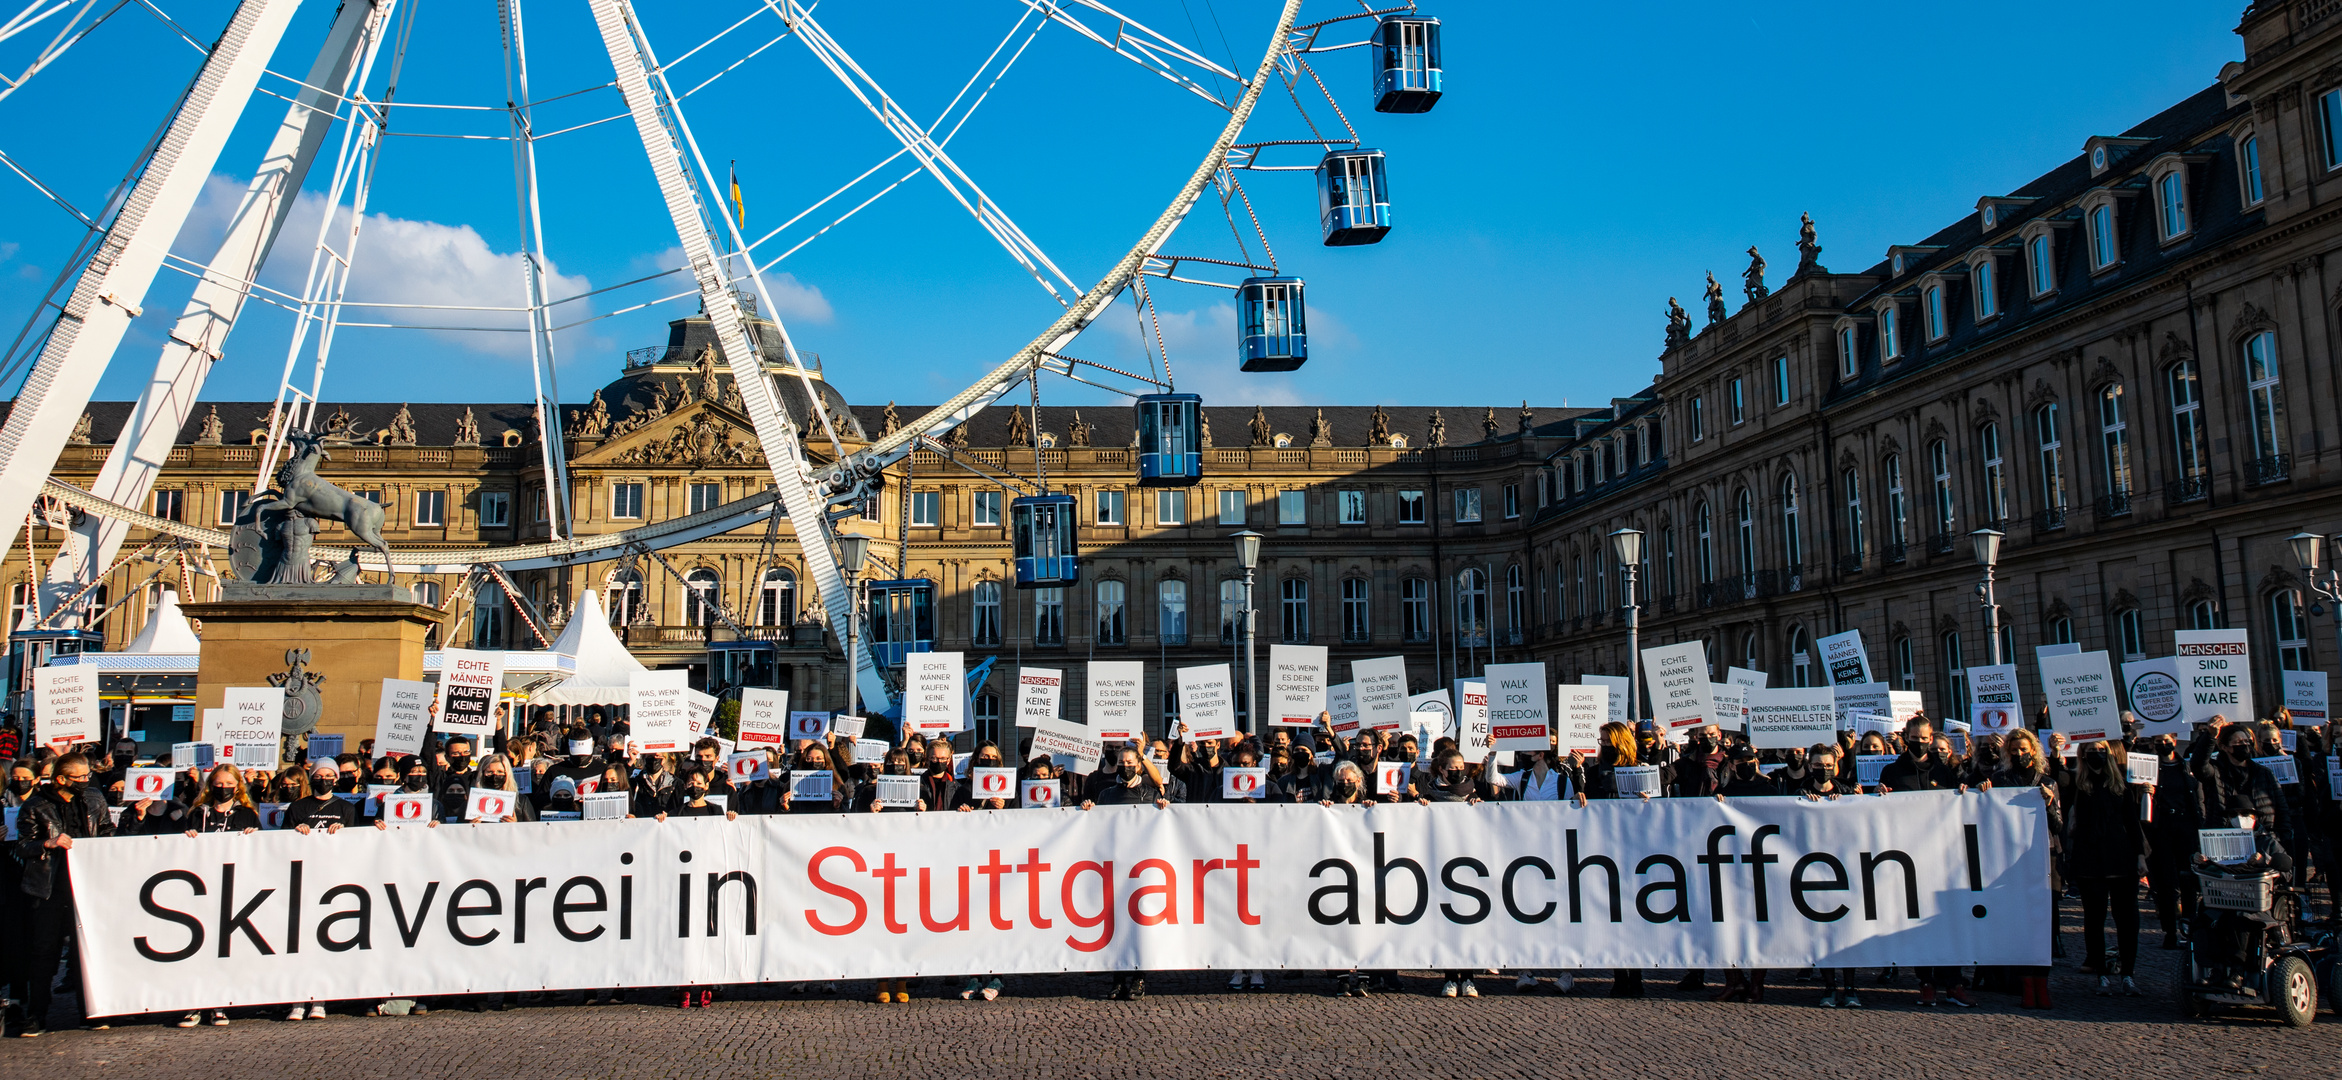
(1923, 879)
(1118, 699)
(2215, 675)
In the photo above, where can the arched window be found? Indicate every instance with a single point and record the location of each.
(2053, 460)
(776, 601)
(2114, 436)
(1748, 652)
(1472, 607)
(426, 593)
(984, 629)
(1995, 475)
(488, 617)
(1906, 673)
(2289, 630)
(1792, 536)
(1703, 552)
(2203, 615)
(2268, 406)
(1358, 609)
(1898, 514)
(1939, 463)
(1955, 686)
(2131, 632)
(1850, 486)
(1516, 602)
(1745, 536)
(1171, 611)
(1112, 598)
(1800, 657)
(1667, 561)
(625, 600)
(1415, 609)
(1293, 610)
(703, 590)
(2060, 630)
(2248, 158)
(2190, 445)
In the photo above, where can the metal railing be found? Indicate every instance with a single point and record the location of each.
(2272, 469)
(2188, 489)
(2114, 504)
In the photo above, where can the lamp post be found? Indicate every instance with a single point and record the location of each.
(1626, 545)
(852, 550)
(1987, 543)
(2324, 583)
(1248, 557)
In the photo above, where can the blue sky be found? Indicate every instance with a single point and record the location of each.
(1587, 162)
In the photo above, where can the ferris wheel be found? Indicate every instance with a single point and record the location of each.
(340, 110)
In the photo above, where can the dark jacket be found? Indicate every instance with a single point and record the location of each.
(235, 819)
(940, 789)
(320, 812)
(1736, 787)
(1906, 773)
(1146, 791)
(47, 815)
(2229, 789)
(2104, 836)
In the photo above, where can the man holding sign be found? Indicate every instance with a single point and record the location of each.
(1518, 716)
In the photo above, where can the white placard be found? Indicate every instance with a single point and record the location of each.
(1992, 719)
(934, 691)
(2142, 768)
(2080, 689)
(1037, 690)
(1342, 708)
(323, 747)
(1731, 705)
(1994, 684)
(1905, 704)
(252, 721)
(848, 727)
(1069, 745)
(1865, 723)
(1637, 780)
(2152, 686)
(698, 709)
(811, 785)
(272, 815)
(656, 716)
(1867, 768)
(1519, 716)
(1297, 684)
(1792, 718)
(470, 680)
(1754, 680)
(1243, 783)
(404, 808)
(1473, 735)
(372, 804)
(1621, 709)
(1380, 687)
(764, 718)
(2305, 697)
(870, 751)
(2215, 675)
(141, 784)
(1844, 658)
(1678, 676)
(403, 717)
(1206, 705)
(1872, 698)
(992, 783)
(489, 804)
(813, 725)
(1118, 699)
(200, 755)
(1429, 718)
(601, 806)
(2063, 648)
(70, 711)
(898, 791)
(749, 767)
(2283, 766)
(1580, 712)
(1390, 777)
(1041, 794)
(2225, 846)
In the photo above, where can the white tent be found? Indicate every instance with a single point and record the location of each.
(166, 631)
(604, 668)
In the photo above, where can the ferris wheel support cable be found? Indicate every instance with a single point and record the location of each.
(112, 286)
(546, 384)
(1147, 50)
(196, 340)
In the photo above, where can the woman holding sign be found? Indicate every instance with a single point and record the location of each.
(2107, 846)
(2023, 764)
(1618, 752)
(223, 806)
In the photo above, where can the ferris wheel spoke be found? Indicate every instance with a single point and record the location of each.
(1133, 41)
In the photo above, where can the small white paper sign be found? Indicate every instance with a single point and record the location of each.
(1637, 779)
(809, 784)
(489, 804)
(1390, 777)
(2283, 766)
(898, 791)
(272, 815)
(1205, 703)
(372, 807)
(764, 718)
(850, 727)
(991, 783)
(200, 755)
(1297, 684)
(749, 767)
(1040, 794)
(869, 751)
(1117, 699)
(1037, 690)
(1241, 783)
(1992, 719)
(141, 784)
(2225, 846)
(1868, 766)
(812, 725)
(2143, 768)
(602, 806)
(410, 808)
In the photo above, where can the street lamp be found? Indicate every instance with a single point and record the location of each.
(1626, 545)
(2325, 584)
(852, 550)
(1987, 543)
(1248, 557)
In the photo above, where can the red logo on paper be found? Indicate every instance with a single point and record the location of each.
(1244, 782)
(994, 782)
(148, 784)
(407, 809)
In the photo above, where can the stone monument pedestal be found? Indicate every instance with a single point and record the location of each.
(357, 636)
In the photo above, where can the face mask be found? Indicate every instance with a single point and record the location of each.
(459, 761)
(20, 786)
(222, 794)
(1129, 772)
(580, 748)
(1747, 770)
(494, 780)
(1451, 776)
(322, 786)
(416, 783)
(2241, 752)
(698, 793)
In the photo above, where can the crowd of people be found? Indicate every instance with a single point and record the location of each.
(2111, 831)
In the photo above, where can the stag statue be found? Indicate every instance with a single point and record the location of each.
(271, 539)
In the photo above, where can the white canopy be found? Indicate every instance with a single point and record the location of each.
(166, 631)
(605, 669)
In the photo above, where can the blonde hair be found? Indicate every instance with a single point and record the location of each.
(1619, 739)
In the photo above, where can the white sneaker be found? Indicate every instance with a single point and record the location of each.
(1524, 984)
(1470, 990)
(1449, 990)
(2130, 988)
(191, 1019)
(219, 1018)
(1236, 981)
(1830, 1000)
(300, 1012)
(1260, 981)
(1566, 983)
(1851, 1000)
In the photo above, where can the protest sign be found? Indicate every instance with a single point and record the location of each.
(1390, 777)
(251, 725)
(69, 708)
(1992, 719)
(842, 726)
(764, 717)
(403, 717)
(1731, 705)
(749, 767)
(2080, 689)
(470, 681)
(1117, 699)
(2142, 768)
(869, 751)
(410, 808)
(898, 791)
(1297, 684)
(1243, 783)
(489, 804)
(991, 783)
(323, 747)
(1905, 704)
(2153, 689)
(1844, 658)
(809, 785)
(1206, 704)
(1473, 736)
(1581, 712)
(1791, 718)
(1867, 768)
(934, 691)
(601, 805)
(1865, 723)
(656, 720)
(372, 806)
(2283, 767)
(2305, 697)
(1342, 709)
(1621, 709)
(200, 755)
(1519, 713)
(1754, 680)
(1871, 697)
(1994, 684)
(1380, 690)
(1637, 780)
(1041, 794)
(1678, 677)
(1036, 695)
(2215, 675)
(272, 814)
(141, 784)
(807, 724)
(1069, 745)
(698, 709)
(1429, 718)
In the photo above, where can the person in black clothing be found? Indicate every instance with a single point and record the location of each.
(1134, 786)
(46, 828)
(1699, 770)
(318, 809)
(1920, 769)
(223, 806)
(2022, 764)
(2106, 852)
(1742, 777)
(653, 788)
(2171, 839)
(814, 757)
(579, 764)
(938, 788)
(697, 786)
(1619, 751)
(2233, 784)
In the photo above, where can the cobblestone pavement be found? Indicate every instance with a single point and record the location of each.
(1189, 1026)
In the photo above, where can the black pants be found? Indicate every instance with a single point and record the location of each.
(2122, 894)
(47, 924)
(2174, 887)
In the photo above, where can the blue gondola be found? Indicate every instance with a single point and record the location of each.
(1170, 440)
(1043, 530)
(1272, 324)
(1353, 197)
(901, 619)
(1406, 65)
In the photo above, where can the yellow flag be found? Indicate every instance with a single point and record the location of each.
(739, 209)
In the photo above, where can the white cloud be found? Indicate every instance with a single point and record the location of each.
(1202, 344)
(793, 300)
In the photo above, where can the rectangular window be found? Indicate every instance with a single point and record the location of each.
(1415, 609)
(2187, 423)
(1890, 339)
(1849, 361)
(1987, 295)
(1293, 610)
(1410, 508)
(1171, 612)
(1940, 465)
(170, 504)
(2171, 199)
(1512, 502)
(1171, 507)
(2114, 431)
(2038, 265)
(1780, 380)
(1231, 610)
(1467, 505)
(1699, 419)
(1048, 616)
(2053, 467)
(1110, 504)
(1996, 492)
(926, 509)
(232, 504)
(2134, 635)
(1112, 599)
(986, 628)
(987, 508)
(706, 497)
(431, 508)
(2265, 399)
(1232, 507)
(495, 509)
(1355, 628)
(2330, 117)
(626, 501)
(2249, 155)
(1739, 400)
(1292, 508)
(2102, 245)
(1937, 327)
(537, 503)
(1896, 516)
(1352, 505)
(1852, 484)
